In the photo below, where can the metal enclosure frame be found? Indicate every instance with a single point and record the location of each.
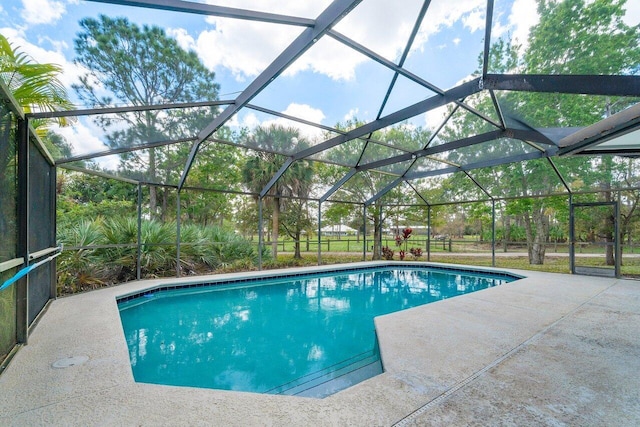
(617, 254)
(538, 141)
(28, 144)
(312, 30)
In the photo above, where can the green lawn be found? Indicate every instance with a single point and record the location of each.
(630, 268)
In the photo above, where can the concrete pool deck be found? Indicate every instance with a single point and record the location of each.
(550, 349)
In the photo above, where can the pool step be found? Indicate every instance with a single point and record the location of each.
(348, 379)
(333, 379)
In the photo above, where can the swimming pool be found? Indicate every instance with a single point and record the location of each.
(310, 334)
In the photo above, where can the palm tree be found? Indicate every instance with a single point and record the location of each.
(34, 86)
(260, 168)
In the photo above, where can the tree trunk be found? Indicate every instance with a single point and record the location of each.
(507, 232)
(165, 204)
(275, 227)
(377, 250)
(529, 234)
(538, 242)
(153, 190)
(296, 250)
(377, 234)
(608, 238)
(153, 201)
(538, 248)
(609, 226)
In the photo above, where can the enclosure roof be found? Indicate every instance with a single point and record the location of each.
(619, 133)
(391, 64)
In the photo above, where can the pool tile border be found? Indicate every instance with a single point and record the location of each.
(310, 274)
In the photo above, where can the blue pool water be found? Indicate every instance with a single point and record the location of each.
(285, 335)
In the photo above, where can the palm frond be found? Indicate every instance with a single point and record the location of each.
(35, 86)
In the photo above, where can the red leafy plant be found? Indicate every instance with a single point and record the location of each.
(387, 253)
(402, 238)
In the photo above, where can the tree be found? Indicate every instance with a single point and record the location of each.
(579, 37)
(212, 207)
(295, 182)
(366, 184)
(34, 86)
(246, 217)
(84, 197)
(583, 37)
(572, 37)
(143, 66)
(339, 214)
(295, 220)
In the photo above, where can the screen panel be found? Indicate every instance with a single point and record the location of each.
(41, 228)
(8, 227)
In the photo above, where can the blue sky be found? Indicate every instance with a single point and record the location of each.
(328, 84)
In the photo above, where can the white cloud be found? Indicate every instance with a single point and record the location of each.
(440, 15)
(13, 35)
(233, 122)
(248, 119)
(42, 11)
(385, 28)
(301, 111)
(82, 137)
(185, 41)
(352, 114)
(444, 14)
(434, 118)
(299, 8)
(524, 15)
(246, 48)
(457, 41)
(70, 73)
(58, 45)
(330, 58)
(498, 29)
(83, 140)
(632, 17)
(475, 20)
(305, 112)
(380, 26)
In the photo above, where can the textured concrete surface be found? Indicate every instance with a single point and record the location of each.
(549, 349)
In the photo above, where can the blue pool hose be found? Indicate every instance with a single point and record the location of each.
(26, 270)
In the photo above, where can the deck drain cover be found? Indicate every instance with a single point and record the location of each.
(69, 361)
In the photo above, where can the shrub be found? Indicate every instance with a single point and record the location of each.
(203, 249)
(82, 268)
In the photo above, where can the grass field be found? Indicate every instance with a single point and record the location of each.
(552, 264)
(467, 244)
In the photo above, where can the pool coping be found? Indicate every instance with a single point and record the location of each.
(487, 324)
(309, 272)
